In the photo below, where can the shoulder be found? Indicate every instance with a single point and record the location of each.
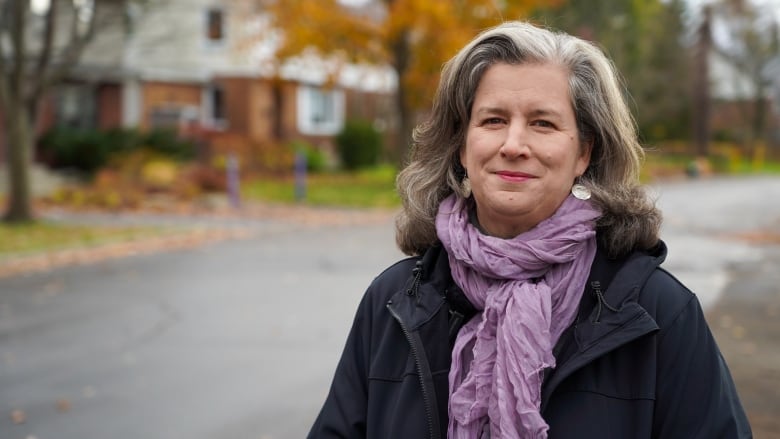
(640, 277)
(397, 272)
(668, 300)
(387, 283)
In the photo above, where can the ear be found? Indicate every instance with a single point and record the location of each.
(462, 154)
(584, 159)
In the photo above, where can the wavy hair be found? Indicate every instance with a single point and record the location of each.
(629, 220)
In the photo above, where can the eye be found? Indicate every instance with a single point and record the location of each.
(492, 121)
(543, 123)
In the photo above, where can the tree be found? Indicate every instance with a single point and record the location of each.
(749, 39)
(413, 37)
(701, 84)
(645, 39)
(40, 42)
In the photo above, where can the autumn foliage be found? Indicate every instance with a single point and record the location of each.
(414, 37)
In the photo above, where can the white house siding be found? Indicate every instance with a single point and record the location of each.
(168, 44)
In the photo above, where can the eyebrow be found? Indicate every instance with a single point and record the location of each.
(491, 110)
(544, 112)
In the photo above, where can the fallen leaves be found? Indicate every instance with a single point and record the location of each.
(18, 417)
(759, 237)
(83, 256)
(63, 405)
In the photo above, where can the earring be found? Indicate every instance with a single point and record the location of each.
(580, 192)
(465, 187)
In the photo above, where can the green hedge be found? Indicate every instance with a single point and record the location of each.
(359, 145)
(315, 158)
(89, 150)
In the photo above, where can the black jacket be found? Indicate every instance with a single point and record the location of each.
(638, 362)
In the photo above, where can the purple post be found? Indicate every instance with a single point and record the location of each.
(233, 181)
(300, 176)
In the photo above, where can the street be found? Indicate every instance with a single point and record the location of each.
(239, 339)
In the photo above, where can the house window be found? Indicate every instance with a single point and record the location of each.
(173, 116)
(320, 112)
(76, 106)
(214, 106)
(215, 25)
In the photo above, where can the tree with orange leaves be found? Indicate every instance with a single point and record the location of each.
(414, 37)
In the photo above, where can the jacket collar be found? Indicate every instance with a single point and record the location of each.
(605, 307)
(612, 292)
(424, 292)
(610, 315)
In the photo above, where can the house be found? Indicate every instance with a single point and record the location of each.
(206, 67)
(734, 102)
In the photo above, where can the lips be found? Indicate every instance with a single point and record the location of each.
(514, 176)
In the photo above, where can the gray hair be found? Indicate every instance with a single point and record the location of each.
(629, 218)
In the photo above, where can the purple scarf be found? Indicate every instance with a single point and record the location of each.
(528, 289)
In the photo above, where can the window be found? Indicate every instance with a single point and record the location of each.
(76, 106)
(173, 116)
(320, 112)
(215, 114)
(215, 25)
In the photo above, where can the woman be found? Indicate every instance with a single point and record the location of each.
(533, 304)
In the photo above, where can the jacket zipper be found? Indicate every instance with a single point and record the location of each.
(423, 371)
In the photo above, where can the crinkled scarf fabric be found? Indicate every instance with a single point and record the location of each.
(528, 289)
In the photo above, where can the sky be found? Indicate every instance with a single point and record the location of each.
(771, 5)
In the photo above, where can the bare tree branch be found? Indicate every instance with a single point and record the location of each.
(78, 41)
(18, 28)
(5, 5)
(49, 30)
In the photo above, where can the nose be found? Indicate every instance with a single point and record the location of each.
(515, 143)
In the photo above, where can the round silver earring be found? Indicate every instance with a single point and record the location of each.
(465, 187)
(580, 192)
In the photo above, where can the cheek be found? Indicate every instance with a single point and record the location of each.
(471, 153)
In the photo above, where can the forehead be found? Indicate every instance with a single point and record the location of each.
(537, 84)
(553, 78)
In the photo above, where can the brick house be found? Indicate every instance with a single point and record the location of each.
(734, 106)
(203, 67)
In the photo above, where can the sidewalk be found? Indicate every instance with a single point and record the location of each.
(746, 325)
(190, 229)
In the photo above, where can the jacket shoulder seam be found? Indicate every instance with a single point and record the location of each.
(676, 314)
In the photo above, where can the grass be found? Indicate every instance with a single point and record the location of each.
(41, 237)
(376, 187)
(664, 165)
(766, 167)
(366, 188)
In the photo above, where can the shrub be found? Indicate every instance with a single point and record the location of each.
(272, 158)
(166, 141)
(89, 150)
(315, 159)
(123, 139)
(83, 150)
(359, 145)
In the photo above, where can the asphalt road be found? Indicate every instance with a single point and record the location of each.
(239, 339)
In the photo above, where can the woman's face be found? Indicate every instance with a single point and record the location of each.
(522, 149)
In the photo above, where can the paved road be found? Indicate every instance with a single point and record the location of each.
(702, 220)
(239, 339)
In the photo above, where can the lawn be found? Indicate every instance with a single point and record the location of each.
(366, 188)
(376, 187)
(42, 237)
